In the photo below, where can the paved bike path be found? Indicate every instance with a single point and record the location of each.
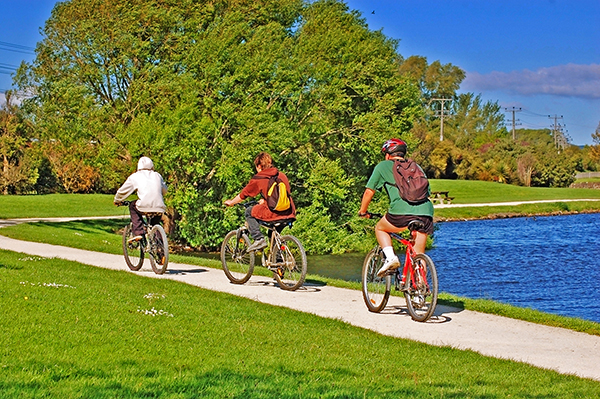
(562, 350)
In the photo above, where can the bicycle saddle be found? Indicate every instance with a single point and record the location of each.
(415, 225)
(277, 223)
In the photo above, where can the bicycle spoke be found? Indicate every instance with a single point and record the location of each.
(290, 260)
(376, 290)
(238, 264)
(421, 296)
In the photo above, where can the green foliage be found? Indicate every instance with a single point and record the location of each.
(202, 88)
(18, 169)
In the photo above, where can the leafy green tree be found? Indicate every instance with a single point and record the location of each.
(203, 87)
(18, 174)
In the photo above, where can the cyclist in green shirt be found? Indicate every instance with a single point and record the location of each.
(400, 212)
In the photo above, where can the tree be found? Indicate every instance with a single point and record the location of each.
(18, 174)
(201, 87)
(595, 149)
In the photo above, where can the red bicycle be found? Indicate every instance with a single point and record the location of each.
(417, 279)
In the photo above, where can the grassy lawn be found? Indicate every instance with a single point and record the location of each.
(73, 331)
(472, 191)
(58, 205)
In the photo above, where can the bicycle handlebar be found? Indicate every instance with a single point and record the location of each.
(370, 215)
(123, 203)
(247, 204)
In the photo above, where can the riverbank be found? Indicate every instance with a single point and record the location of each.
(514, 209)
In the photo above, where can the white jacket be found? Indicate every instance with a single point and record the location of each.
(150, 188)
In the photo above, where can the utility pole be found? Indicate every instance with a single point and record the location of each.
(440, 114)
(513, 110)
(557, 133)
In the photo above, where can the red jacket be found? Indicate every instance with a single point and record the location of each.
(260, 185)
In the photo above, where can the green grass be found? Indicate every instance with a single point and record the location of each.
(58, 205)
(474, 191)
(552, 208)
(102, 236)
(73, 331)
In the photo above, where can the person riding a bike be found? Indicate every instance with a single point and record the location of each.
(150, 188)
(400, 213)
(259, 184)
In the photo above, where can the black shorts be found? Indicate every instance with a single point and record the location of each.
(403, 221)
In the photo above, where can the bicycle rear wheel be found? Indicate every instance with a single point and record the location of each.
(133, 251)
(290, 259)
(422, 293)
(159, 249)
(375, 290)
(238, 264)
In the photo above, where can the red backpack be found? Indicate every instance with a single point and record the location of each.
(411, 182)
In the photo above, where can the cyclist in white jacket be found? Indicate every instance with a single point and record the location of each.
(150, 188)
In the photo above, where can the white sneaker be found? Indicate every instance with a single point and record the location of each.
(389, 264)
(134, 239)
(257, 245)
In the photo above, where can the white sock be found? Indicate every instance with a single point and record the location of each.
(388, 252)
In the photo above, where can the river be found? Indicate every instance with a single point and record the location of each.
(547, 263)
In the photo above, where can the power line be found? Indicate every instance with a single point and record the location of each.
(17, 48)
(535, 113)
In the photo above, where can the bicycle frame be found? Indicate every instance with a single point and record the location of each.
(274, 242)
(408, 269)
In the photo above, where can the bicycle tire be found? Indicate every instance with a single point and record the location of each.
(132, 251)
(159, 249)
(422, 291)
(375, 290)
(291, 274)
(238, 264)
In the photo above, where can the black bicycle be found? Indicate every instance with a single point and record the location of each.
(284, 256)
(154, 243)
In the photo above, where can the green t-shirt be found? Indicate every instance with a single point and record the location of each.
(383, 178)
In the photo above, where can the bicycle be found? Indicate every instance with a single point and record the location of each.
(417, 279)
(284, 256)
(154, 243)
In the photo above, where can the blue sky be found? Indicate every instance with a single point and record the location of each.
(542, 56)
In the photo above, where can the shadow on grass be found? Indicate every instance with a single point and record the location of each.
(110, 226)
(153, 382)
(452, 302)
(10, 267)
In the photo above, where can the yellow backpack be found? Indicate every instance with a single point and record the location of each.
(278, 198)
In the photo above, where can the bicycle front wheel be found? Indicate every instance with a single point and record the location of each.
(422, 293)
(375, 290)
(238, 264)
(290, 259)
(133, 251)
(159, 249)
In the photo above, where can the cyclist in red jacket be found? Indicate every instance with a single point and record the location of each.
(259, 184)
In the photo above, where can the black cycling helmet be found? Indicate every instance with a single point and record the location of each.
(395, 147)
